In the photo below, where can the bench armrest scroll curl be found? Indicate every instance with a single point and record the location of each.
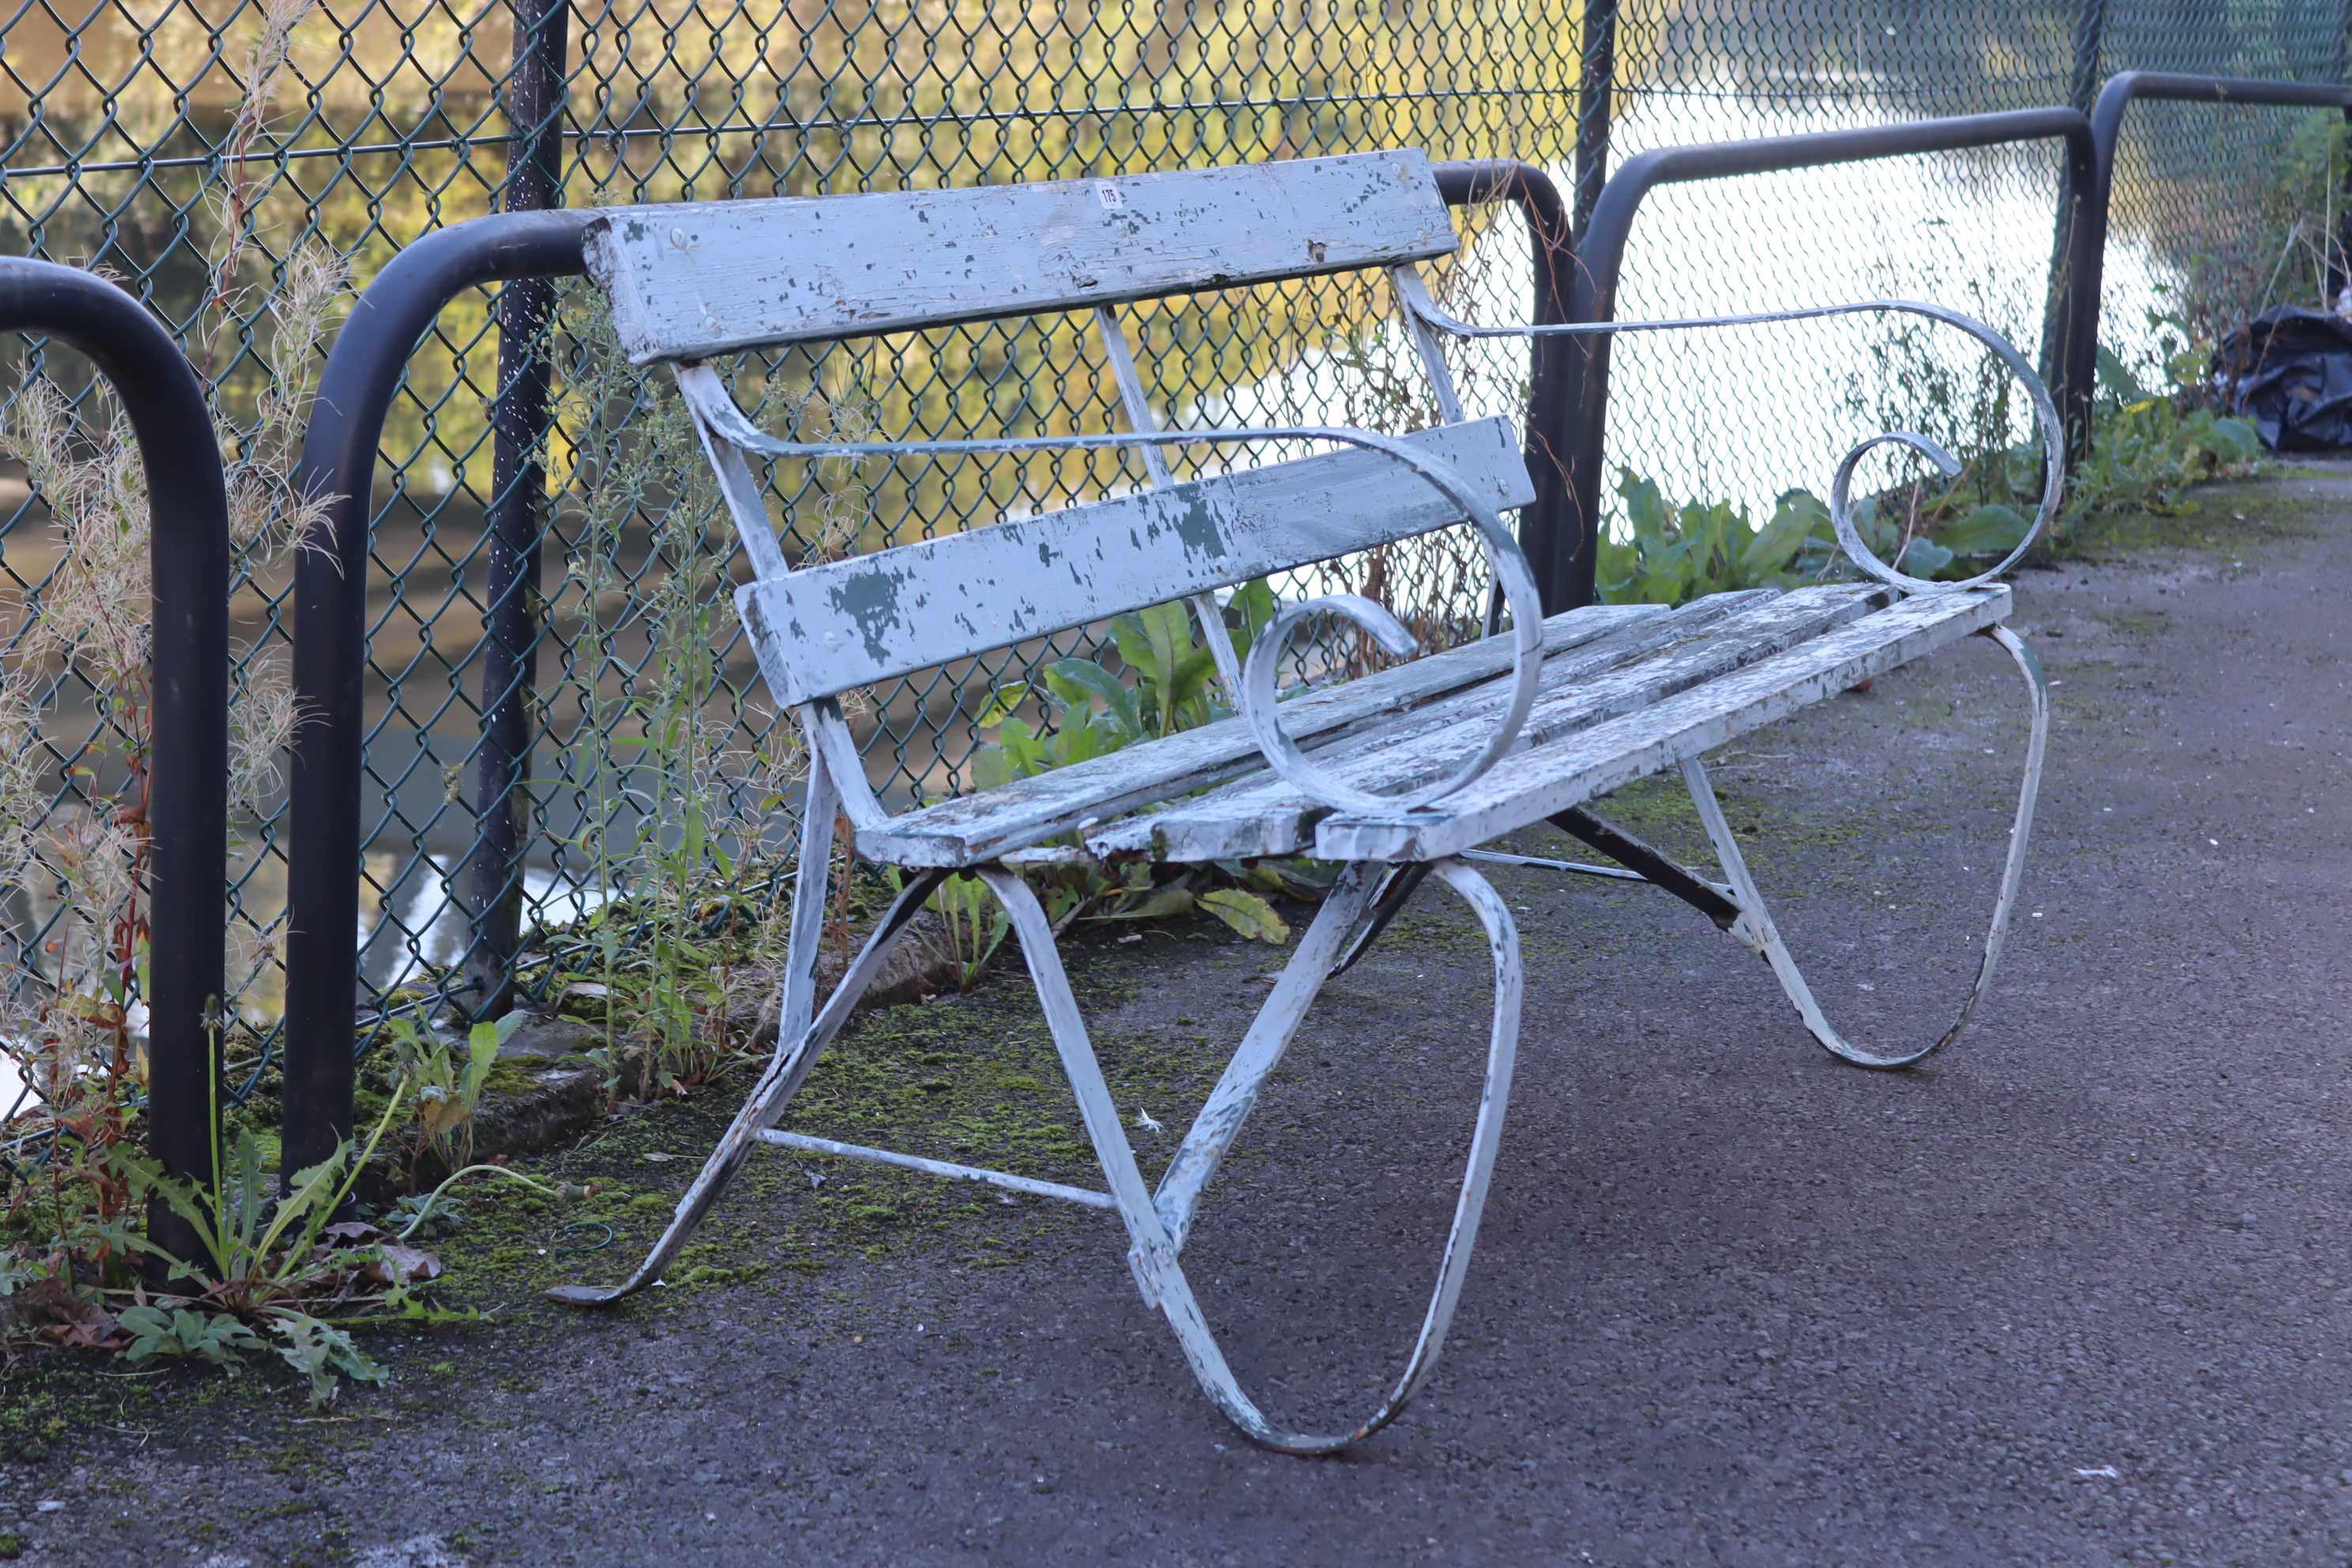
(1417, 301)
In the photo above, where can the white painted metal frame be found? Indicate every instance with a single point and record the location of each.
(1458, 771)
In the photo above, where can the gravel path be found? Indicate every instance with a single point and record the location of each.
(2075, 1292)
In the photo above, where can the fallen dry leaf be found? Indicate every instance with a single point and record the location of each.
(397, 1265)
(77, 1323)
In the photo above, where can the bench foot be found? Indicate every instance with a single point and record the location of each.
(1154, 1242)
(1755, 930)
(795, 1055)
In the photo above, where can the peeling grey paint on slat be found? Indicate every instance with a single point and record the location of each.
(831, 628)
(965, 829)
(700, 279)
(1534, 785)
(1266, 815)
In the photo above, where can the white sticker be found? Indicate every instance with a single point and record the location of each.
(1107, 193)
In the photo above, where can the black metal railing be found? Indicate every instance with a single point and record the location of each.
(2081, 345)
(187, 760)
(1601, 252)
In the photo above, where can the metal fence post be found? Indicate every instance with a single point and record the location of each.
(2066, 261)
(1594, 90)
(534, 104)
(2090, 48)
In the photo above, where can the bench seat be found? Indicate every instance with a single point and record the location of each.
(1627, 690)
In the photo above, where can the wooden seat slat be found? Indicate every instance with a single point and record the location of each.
(830, 628)
(696, 279)
(1266, 815)
(965, 829)
(1533, 784)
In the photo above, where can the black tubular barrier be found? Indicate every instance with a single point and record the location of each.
(187, 761)
(339, 453)
(1603, 253)
(2082, 344)
(339, 459)
(1545, 524)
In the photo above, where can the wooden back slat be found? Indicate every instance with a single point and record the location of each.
(692, 281)
(833, 627)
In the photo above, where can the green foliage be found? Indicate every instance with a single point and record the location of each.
(217, 1337)
(1175, 689)
(16, 1273)
(2148, 448)
(261, 1252)
(2272, 225)
(264, 1259)
(1671, 552)
(445, 1089)
(415, 1213)
(975, 927)
(318, 1351)
(1246, 914)
(1156, 642)
(674, 815)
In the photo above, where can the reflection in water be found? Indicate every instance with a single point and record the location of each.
(429, 924)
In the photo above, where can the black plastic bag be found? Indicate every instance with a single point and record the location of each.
(2289, 370)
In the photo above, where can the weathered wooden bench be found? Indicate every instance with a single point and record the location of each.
(1403, 772)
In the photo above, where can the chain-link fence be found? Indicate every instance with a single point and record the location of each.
(217, 158)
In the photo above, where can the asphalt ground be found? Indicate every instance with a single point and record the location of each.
(2075, 1291)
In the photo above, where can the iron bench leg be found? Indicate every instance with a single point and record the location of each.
(797, 1050)
(1756, 931)
(1155, 1243)
(1156, 1226)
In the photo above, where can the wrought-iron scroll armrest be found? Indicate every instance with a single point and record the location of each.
(708, 396)
(1415, 297)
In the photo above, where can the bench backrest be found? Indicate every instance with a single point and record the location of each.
(689, 282)
(700, 279)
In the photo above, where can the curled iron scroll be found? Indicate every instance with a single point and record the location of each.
(1416, 299)
(715, 407)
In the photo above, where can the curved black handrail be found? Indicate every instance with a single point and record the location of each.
(2123, 89)
(187, 811)
(1547, 528)
(339, 456)
(1603, 252)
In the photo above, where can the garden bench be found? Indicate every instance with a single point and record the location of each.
(1405, 773)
